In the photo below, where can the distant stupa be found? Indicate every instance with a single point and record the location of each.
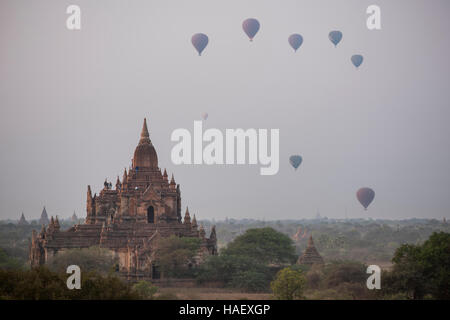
(44, 218)
(74, 217)
(311, 255)
(22, 221)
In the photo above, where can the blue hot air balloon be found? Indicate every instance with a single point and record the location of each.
(295, 161)
(251, 27)
(295, 40)
(357, 59)
(199, 41)
(335, 37)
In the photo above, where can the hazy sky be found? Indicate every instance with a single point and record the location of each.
(72, 103)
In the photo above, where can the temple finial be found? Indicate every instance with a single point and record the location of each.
(145, 137)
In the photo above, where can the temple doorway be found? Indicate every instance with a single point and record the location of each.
(151, 215)
(156, 274)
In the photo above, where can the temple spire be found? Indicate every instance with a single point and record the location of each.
(172, 183)
(125, 176)
(202, 232)
(145, 137)
(213, 236)
(22, 220)
(57, 226)
(187, 216)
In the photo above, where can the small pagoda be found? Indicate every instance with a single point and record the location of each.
(44, 218)
(311, 255)
(22, 221)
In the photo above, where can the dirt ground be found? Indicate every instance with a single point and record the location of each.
(209, 294)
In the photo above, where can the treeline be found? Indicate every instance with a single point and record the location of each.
(354, 239)
(43, 284)
(259, 260)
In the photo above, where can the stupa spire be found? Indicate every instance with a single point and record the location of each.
(145, 136)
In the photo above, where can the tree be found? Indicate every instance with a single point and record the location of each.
(288, 284)
(88, 259)
(176, 255)
(7, 262)
(263, 245)
(250, 261)
(421, 270)
(339, 272)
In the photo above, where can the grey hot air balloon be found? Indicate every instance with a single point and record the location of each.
(357, 59)
(204, 115)
(335, 37)
(251, 27)
(295, 161)
(365, 196)
(295, 40)
(199, 41)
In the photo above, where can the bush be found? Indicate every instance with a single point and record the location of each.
(251, 281)
(145, 290)
(289, 284)
(43, 284)
(88, 259)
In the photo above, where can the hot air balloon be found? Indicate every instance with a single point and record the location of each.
(204, 115)
(335, 37)
(295, 40)
(357, 59)
(251, 27)
(365, 196)
(199, 41)
(295, 161)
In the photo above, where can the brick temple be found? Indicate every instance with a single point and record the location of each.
(311, 255)
(129, 220)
